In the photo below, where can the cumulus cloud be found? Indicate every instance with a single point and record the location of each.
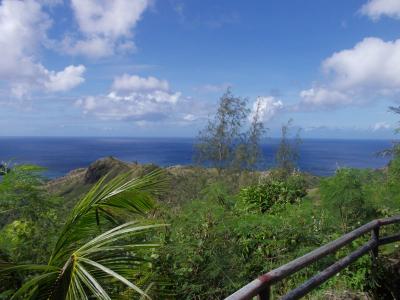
(106, 26)
(375, 9)
(135, 98)
(23, 27)
(320, 96)
(135, 83)
(372, 63)
(369, 70)
(381, 126)
(93, 47)
(267, 108)
(64, 80)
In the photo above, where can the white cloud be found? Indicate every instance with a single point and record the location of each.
(381, 126)
(23, 27)
(94, 47)
(135, 83)
(106, 26)
(375, 9)
(64, 80)
(368, 71)
(320, 96)
(372, 63)
(135, 98)
(190, 117)
(267, 107)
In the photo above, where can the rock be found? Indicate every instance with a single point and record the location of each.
(104, 166)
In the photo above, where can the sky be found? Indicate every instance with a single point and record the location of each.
(157, 68)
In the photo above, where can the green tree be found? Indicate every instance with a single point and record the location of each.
(287, 154)
(100, 249)
(4, 169)
(249, 153)
(224, 143)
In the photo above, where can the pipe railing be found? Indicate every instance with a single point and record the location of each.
(261, 286)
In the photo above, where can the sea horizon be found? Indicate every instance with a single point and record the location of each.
(60, 155)
(195, 137)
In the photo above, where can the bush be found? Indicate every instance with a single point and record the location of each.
(211, 250)
(262, 197)
(27, 210)
(343, 195)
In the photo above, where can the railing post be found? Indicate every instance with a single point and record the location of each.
(375, 250)
(265, 294)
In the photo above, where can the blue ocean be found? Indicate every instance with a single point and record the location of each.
(61, 155)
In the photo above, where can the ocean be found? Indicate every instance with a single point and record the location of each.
(63, 154)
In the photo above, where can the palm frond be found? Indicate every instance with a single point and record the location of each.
(28, 288)
(123, 193)
(101, 256)
(83, 258)
(8, 268)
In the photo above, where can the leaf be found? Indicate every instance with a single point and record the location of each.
(123, 192)
(32, 283)
(115, 275)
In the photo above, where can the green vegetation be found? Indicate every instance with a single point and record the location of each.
(102, 246)
(90, 236)
(214, 247)
(224, 144)
(288, 151)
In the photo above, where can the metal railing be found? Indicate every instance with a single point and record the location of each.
(261, 286)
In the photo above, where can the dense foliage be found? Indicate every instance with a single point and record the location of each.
(226, 232)
(27, 210)
(265, 196)
(214, 247)
(99, 249)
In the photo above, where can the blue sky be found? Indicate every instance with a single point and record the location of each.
(158, 67)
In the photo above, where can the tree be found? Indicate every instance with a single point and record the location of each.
(249, 152)
(4, 169)
(100, 249)
(224, 144)
(394, 151)
(287, 154)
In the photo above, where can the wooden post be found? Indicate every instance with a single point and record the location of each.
(265, 293)
(375, 250)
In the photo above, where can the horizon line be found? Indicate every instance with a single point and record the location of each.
(188, 137)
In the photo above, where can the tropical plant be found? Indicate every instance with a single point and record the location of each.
(287, 154)
(262, 197)
(100, 248)
(26, 211)
(344, 196)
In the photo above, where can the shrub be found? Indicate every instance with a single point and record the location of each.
(344, 196)
(262, 197)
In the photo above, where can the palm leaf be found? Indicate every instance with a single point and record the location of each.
(84, 258)
(133, 195)
(26, 290)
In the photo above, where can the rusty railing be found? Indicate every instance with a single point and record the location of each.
(261, 286)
